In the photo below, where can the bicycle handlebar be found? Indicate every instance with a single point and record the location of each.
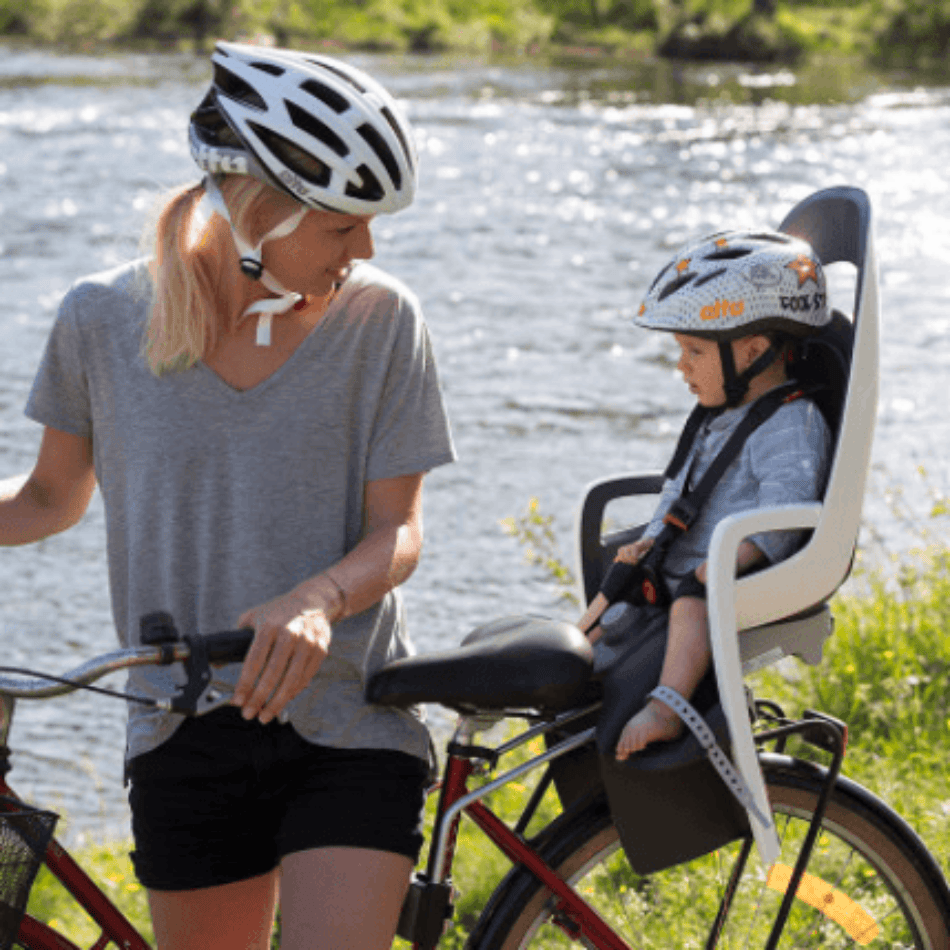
(227, 646)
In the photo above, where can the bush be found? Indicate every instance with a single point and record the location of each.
(910, 32)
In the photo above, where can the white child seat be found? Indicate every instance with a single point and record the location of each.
(783, 609)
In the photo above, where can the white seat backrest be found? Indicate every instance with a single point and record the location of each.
(837, 224)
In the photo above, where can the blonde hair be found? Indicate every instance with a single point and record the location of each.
(193, 260)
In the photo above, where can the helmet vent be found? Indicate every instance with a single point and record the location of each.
(369, 188)
(658, 278)
(728, 254)
(307, 166)
(775, 238)
(681, 281)
(706, 278)
(210, 126)
(394, 125)
(378, 144)
(338, 72)
(271, 68)
(236, 88)
(329, 97)
(313, 126)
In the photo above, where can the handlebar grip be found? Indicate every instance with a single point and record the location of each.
(228, 646)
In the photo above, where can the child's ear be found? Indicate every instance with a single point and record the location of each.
(749, 348)
(759, 344)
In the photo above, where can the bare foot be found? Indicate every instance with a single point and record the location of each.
(656, 722)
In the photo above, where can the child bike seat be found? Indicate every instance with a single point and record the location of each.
(781, 610)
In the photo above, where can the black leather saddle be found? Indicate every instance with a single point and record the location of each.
(515, 663)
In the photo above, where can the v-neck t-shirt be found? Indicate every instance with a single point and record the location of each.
(218, 500)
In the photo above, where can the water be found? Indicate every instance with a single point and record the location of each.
(550, 195)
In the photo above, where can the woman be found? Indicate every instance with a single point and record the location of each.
(258, 413)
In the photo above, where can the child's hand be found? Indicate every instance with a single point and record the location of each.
(700, 573)
(631, 553)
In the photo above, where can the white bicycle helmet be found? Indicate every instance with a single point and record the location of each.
(736, 283)
(315, 127)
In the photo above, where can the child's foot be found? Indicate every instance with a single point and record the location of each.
(656, 722)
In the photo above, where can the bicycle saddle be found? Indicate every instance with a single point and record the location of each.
(511, 663)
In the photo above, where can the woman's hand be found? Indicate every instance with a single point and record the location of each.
(291, 640)
(292, 632)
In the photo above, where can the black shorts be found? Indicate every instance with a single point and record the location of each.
(225, 799)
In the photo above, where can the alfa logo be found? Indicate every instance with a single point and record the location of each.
(723, 308)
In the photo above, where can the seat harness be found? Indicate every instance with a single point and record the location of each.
(642, 583)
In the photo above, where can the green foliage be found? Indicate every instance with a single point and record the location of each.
(167, 20)
(886, 670)
(899, 32)
(83, 22)
(535, 532)
(910, 32)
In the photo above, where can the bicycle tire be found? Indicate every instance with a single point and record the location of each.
(865, 851)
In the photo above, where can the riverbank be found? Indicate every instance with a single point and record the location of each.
(911, 34)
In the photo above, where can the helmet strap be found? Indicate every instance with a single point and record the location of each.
(736, 385)
(252, 266)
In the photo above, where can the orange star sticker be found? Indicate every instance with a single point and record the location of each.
(721, 242)
(642, 310)
(682, 265)
(806, 269)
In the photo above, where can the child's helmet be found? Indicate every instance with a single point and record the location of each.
(312, 126)
(736, 283)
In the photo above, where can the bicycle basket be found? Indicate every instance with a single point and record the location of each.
(24, 834)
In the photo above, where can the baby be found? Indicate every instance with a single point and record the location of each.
(735, 304)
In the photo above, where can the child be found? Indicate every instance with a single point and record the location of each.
(735, 303)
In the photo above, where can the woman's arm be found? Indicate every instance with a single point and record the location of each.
(293, 631)
(54, 496)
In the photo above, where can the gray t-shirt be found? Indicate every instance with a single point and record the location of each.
(218, 500)
(783, 462)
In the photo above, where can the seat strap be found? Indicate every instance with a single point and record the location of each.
(643, 582)
(685, 509)
(704, 736)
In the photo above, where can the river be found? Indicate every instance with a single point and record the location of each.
(550, 194)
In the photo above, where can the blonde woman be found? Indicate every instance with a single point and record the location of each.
(258, 411)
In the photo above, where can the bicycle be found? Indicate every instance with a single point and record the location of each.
(851, 872)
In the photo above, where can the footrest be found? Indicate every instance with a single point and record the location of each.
(697, 725)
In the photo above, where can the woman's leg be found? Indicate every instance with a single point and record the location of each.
(342, 898)
(684, 665)
(238, 916)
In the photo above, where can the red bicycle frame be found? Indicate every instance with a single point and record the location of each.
(573, 914)
(115, 928)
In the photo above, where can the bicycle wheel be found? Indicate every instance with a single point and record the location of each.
(870, 881)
